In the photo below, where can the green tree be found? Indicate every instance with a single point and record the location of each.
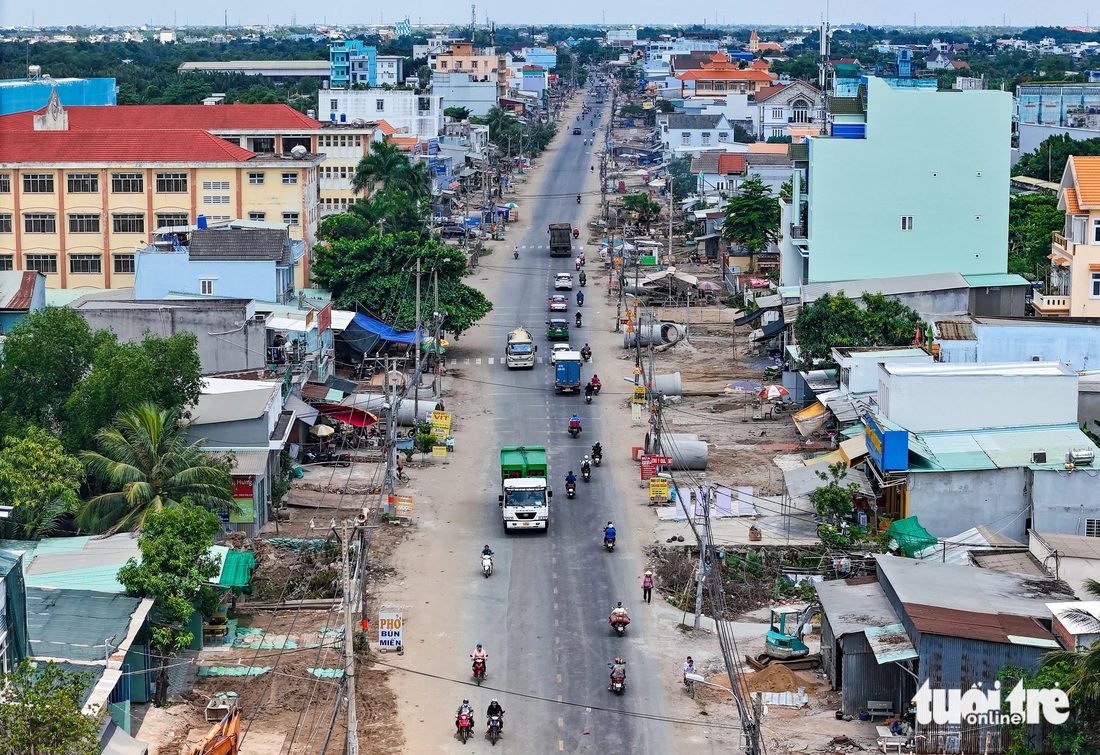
(163, 371)
(836, 320)
(752, 217)
(645, 209)
(802, 67)
(833, 502)
(174, 571)
(1031, 220)
(1048, 162)
(681, 179)
(1080, 735)
(146, 465)
(387, 169)
(457, 113)
(44, 358)
(39, 481)
(377, 274)
(41, 712)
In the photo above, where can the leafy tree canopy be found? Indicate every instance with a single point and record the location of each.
(752, 217)
(1048, 162)
(644, 208)
(39, 480)
(387, 170)
(1031, 220)
(836, 320)
(682, 180)
(458, 113)
(41, 712)
(377, 274)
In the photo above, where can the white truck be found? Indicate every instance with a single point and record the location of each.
(520, 351)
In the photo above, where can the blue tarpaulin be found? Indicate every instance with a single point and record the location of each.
(382, 330)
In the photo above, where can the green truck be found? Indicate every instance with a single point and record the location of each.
(524, 490)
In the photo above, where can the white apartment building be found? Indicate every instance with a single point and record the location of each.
(476, 92)
(343, 146)
(407, 111)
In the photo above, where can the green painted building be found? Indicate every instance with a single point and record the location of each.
(909, 182)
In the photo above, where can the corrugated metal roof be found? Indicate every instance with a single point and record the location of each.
(995, 280)
(247, 463)
(1003, 448)
(890, 643)
(1006, 369)
(75, 624)
(905, 284)
(973, 625)
(1072, 546)
(225, 400)
(1017, 562)
(17, 289)
(852, 606)
(955, 330)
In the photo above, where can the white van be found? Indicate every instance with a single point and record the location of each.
(563, 281)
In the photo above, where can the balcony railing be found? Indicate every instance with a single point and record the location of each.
(1057, 304)
(1058, 241)
(798, 231)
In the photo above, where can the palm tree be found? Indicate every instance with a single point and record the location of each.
(387, 168)
(1084, 692)
(147, 464)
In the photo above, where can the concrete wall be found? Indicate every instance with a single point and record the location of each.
(946, 503)
(242, 348)
(158, 274)
(1034, 400)
(1073, 570)
(1078, 344)
(952, 180)
(863, 369)
(1062, 500)
(951, 301)
(460, 90)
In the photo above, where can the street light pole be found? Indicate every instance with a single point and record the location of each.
(416, 339)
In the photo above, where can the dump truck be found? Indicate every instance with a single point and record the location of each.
(520, 351)
(561, 240)
(567, 372)
(524, 490)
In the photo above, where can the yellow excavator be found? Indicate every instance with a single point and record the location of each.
(224, 737)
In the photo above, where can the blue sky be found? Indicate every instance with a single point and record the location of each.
(617, 12)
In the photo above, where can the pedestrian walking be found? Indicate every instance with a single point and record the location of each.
(647, 586)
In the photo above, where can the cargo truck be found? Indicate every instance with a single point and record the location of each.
(567, 372)
(561, 240)
(525, 493)
(520, 351)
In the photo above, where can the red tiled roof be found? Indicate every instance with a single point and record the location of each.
(960, 65)
(129, 146)
(713, 74)
(763, 93)
(385, 128)
(760, 65)
(731, 163)
(173, 117)
(21, 298)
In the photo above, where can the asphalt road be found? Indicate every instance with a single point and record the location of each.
(543, 614)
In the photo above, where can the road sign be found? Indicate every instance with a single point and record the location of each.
(403, 505)
(650, 462)
(439, 451)
(389, 631)
(658, 489)
(442, 420)
(639, 394)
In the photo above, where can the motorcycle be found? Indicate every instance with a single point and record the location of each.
(597, 457)
(574, 428)
(587, 395)
(494, 729)
(515, 254)
(576, 233)
(327, 457)
(583, 278)
(486, 566)
(586, 354)
(578, 199)
(586, 475)
(609, 543)
(596, 387)
(570, 490)
(580, 299)
(618, 623)
(479, 670)
(578, 319)
(465, 726)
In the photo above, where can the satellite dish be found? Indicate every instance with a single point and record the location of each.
(299, 151)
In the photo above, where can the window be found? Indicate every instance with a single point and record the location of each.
(906, 222)
(5, 222)
(38, 183)
(290, 178)
(1096, 231)
(40, 222)
(290, 218)
(173, 219)
(85, 263)
(777, 112)
(5, 183)
(127, 183)
(124, 264)
(257, 216)
(333, 104)
(84, 223)
(218, 218)
(685, 138)
(7, 262)
(82, 183)
(206, 286)
(130, 222)
(1094, 292)
(1092, 528)
(171, 183)
(706, 138)
(217, 185)
(256, 179)
(215, 199)
(41, 263)
(723, 136)
(379, 105)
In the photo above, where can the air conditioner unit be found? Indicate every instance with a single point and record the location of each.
(1080, 457)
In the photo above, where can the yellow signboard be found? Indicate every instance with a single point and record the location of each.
(439, 451)
(442, 420)
(403, 505)
(639, 394)
(658, 489)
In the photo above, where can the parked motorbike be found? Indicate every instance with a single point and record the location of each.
(486, 566)
(494, 729)
(570, 489)
(327, 458)
(479, 670)
(465, 726)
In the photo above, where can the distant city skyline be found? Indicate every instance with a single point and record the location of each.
(944, 13)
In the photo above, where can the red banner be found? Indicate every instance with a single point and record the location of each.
(650, 462)
(324, 319)
(242, 487)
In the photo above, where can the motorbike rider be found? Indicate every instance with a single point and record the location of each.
(575, 422)
(586, 468)
(515, 252)
(618, 612)
(578, 199)
(570, 479)
(596, 381)
(586, 350)
(597, 450)
(584, 278)
(609, 533)
(464, 708)
(618, 671)
(486, 551)
(494, 709)
(580, 298)
(578, 319)
(588, 390)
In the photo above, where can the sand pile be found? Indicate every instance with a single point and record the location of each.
(776, 678)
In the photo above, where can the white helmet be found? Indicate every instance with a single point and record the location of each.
(586, 457)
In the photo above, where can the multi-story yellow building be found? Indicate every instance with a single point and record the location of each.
(463, 58)
(1075, 252)
(81, 189)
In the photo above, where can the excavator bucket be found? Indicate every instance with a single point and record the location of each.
(224, 737)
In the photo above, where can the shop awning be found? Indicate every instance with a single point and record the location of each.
(382, 330)
(348, 414)
(771, 330)
(750, 317)
(302, 410)
(809, 420)
(854, 450)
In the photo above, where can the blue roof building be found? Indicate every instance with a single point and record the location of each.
(340, 54)
(21, 95)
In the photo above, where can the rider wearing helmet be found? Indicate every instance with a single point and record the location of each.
(464, 708)
(609, 532)
(494, 709)
(570, 479)
(586, 468)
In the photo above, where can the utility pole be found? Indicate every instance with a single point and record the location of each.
(701, 572)
(437, 320)
(416, 388)
(349, 649)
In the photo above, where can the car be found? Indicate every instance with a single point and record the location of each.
(557, 329)
(558, 303)
(557, 349)
(452, 231)
(576, 132)
(563, 281)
